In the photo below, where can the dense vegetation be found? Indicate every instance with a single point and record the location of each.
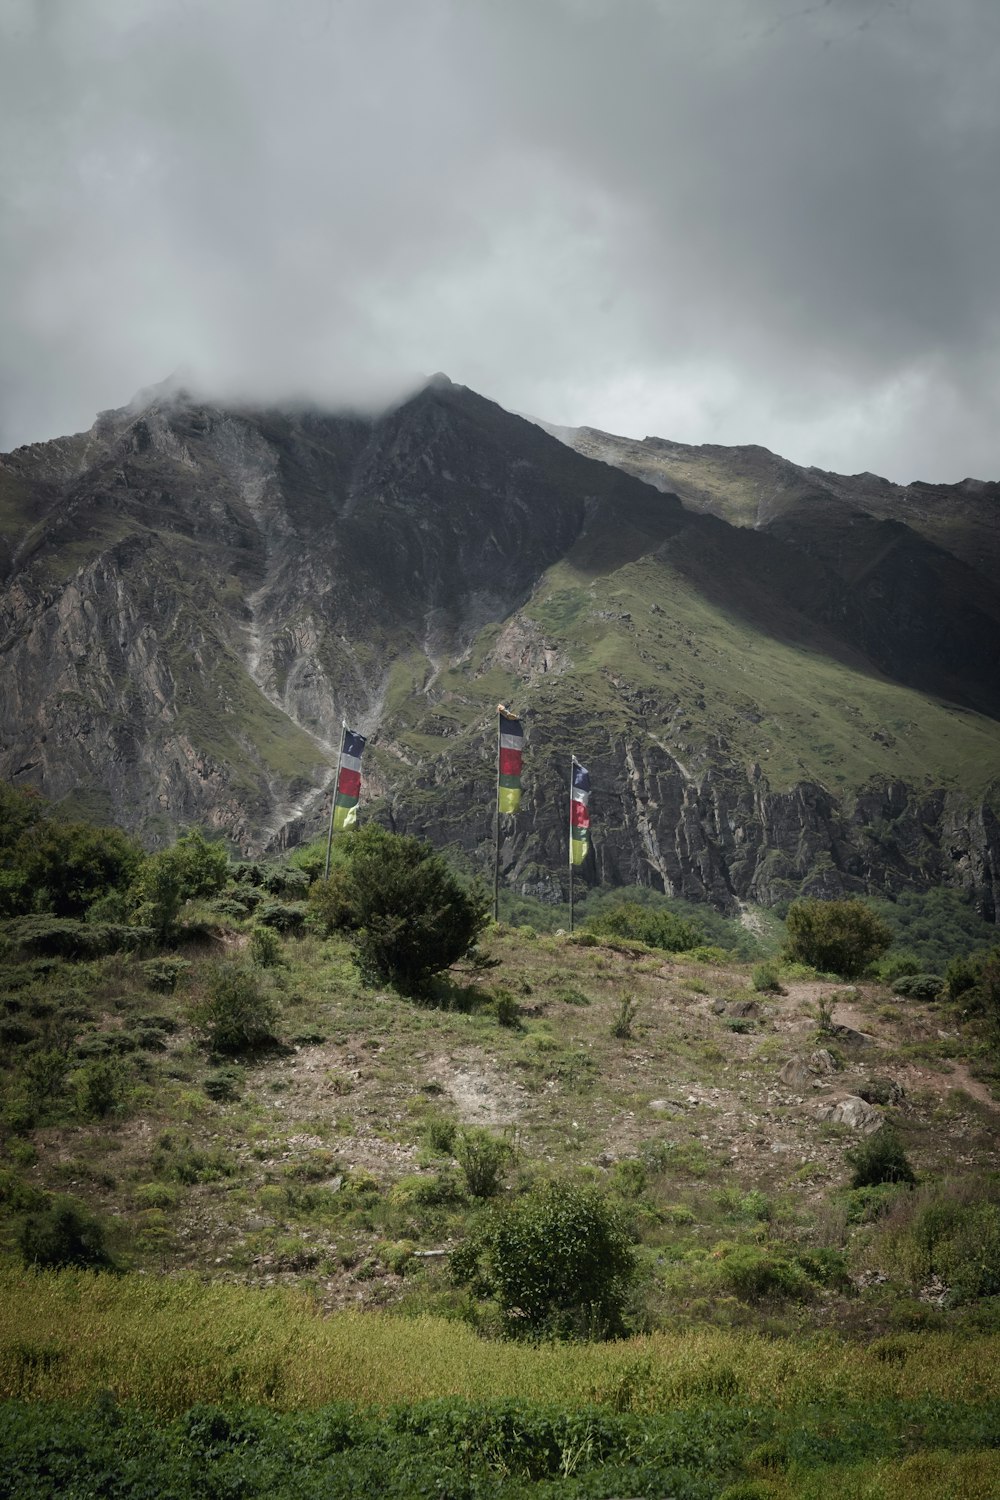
(204, 1069)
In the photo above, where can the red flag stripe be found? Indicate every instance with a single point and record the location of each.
(579, 815)
(349, 783)
(510, 762)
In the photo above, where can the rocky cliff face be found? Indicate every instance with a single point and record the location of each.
(193, 598)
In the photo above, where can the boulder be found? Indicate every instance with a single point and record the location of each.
(795, 1074)
(853, 1112)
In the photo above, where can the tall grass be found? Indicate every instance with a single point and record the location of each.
(167, 1344)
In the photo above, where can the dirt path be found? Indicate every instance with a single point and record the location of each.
(962, 1079)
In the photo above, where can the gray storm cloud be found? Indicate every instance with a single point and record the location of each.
(740, 221)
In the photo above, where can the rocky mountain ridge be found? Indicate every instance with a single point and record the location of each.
(193, 597)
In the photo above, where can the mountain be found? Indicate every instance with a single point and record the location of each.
(782, 681)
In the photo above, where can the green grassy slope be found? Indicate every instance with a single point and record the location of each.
(641, 651)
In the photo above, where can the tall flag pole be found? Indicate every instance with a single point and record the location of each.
(579, 822)
(510, 748)
(347, 788)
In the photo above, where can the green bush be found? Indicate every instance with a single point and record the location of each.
(483, 1159)
(962, 974)
(409, 916)
(754, 1273)
(621, 1026)
(879, 1159)
(234, 1015)
(102, 1088)
(947, 1231)
(557, 1260)
(839, 937)
(282, 916)
(507, 1009)
(65, 867)
(897, 965)
(64, 1234)
(332, 907)
(190, 869)
(975, 980)
(657, 927)
(765, 980)
(202, 867)
(165, 973)
(67, 937)
(224, 1085)
(439, 1134)
(265, 947)
(919, 986)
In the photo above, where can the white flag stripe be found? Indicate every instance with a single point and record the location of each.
(512, 742)
(579, 796)
(350, 762)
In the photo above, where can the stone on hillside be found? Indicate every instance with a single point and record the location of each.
(853, 1112)
(744, 1008)
(848, 1037)
(795, 1074)
(823, 1061)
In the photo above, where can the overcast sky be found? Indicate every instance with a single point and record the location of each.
(731, 221)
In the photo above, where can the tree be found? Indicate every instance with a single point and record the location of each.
(66, 867)
(201, 867)
(190, 868)
(409, 916)
(841, 937)
(557, 1260)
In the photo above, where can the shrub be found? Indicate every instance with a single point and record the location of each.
(765, 980)
(898, 966)
(948, 1231)
(64, 1234)
(557, 1260)
(962, 974)
(66, 937)
(101, 1088)
(753, 1273)
(655, 926)
(202, 867)
(842, 937)
(439, 1134)
(224, 1085)
(919, 986)
(621, 1026)
(282, 916)
(234, 1015)
(410, 917)
(483, 1158)
(265, 947)
(976, 979)
(879, 1159)
(332, 907)
(507, 1009)
(309, 858)
(165, 973)
(191, 868)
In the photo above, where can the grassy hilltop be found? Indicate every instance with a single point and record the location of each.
(276, 1227)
